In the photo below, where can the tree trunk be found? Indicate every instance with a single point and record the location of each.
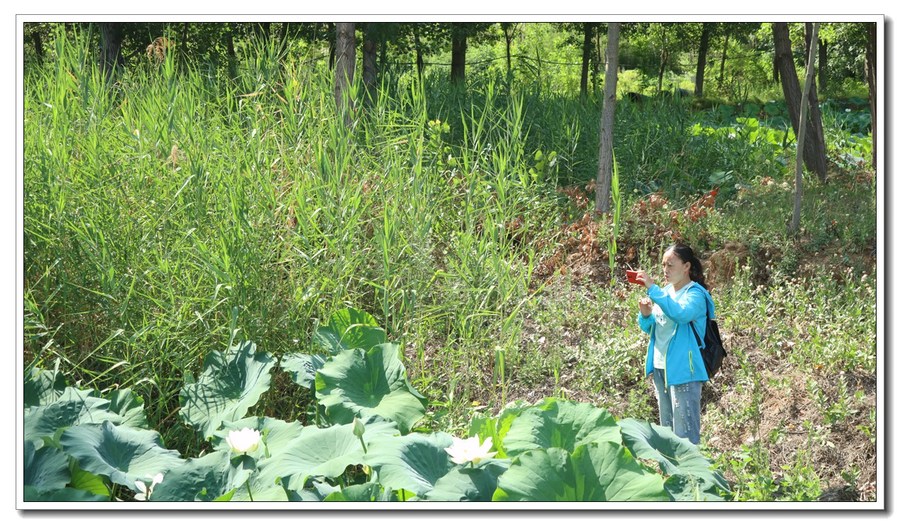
(823, 65)
(775, 77)
(814, 144)
(232, 57)
(596, 60)
(184, 37)
(458, 60)
(370, 64)
(344, 66)
(110, 47)
(663, 59)
(509, 32)
(724, 56)
(607, 120)
(586, 57)
(701, 57)
(382, 51)
(815, 128)
(38, 46)
(332, 47)
(813, 38)
(420, 62)
(871, 46)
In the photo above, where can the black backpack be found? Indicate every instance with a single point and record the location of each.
(711, 349)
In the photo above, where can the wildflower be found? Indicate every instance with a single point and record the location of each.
(142, 491)
(468, 450)
(243, 441)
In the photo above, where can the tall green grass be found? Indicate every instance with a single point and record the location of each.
(158, 205)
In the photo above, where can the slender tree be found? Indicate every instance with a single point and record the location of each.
(370, 62)
(459, 36)
(509, 33)
(344, 66)
(38, 46)
(705, 35)
(110, 47)
(801, 135)
(823, 64)
(229, 50)
(586, 51)
(814, 143)
(420, 61)
(871, 46)
(607, 120)
(724, 56)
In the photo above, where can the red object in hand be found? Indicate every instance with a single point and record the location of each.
(632, 277)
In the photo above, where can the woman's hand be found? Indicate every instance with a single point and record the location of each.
(646, 306)
(645, 278)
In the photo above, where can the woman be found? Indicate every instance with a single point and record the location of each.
(673, 355)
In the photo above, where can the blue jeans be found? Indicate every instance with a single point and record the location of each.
(679, 406)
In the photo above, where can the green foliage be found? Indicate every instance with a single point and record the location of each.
(559, 424)
(596, 471)
(122, 454)
(231, 383)
(359, 383)
(692, 476)
(578, 444)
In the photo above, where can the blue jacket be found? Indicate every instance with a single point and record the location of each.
(683, 360)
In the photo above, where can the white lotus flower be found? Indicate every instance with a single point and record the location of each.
(243, 441)
(468, 450)
(142, 491)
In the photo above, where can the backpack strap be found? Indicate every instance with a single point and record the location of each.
(700, 343)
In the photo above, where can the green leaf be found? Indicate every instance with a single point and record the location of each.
(207, 478)
(368, 492)
(122, 454)
(676, 456)
(87, 481)
(469, 484)
(231, 383)
(280, 473)
(412, 462)
(691, 489)
(316, 492)
(596, 471)
(46, 468)
(349, 329)
(302, 368)
(325, 452)
(72, 408)
(560, 424)
(496, 427)
(358, 383)
(129, 406)
(42, 386)
(33, 494)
